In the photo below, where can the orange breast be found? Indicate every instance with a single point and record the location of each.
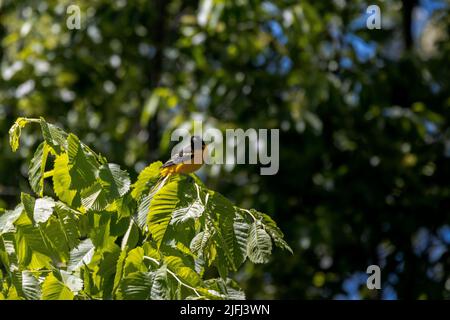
(181, 168)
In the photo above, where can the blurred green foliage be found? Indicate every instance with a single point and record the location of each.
(364, 146)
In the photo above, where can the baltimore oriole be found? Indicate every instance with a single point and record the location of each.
(188, 160)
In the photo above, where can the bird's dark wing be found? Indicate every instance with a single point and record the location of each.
(183, 156)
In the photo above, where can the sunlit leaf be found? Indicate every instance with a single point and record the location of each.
(37, 168)
(8, 218)
(161, 208)
(15, 131)
(54, 289)
(81, 255)
(259, 245)
(146, 179)
(43, 209)
(62, 180)
(30, 286)
(114, 180)
(137, 286)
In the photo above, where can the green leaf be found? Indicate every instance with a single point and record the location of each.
(142, 212)
(137, 286)
(146, 179)
(114, 180)
(235, 231)
(54, 136)
(222, 213)
(81, 255)
(200, 242)
(259, 245)
(161, 208)
(272, 229)
(69, 221)
(8, 252)
(74, 283)
(84, 167)
(54, 289)
(119, 270)
(62, 180)
(32, 249)
(101, 230)
(95, 197)
(186, 274)
(55, 237)
(15, 131)
(131, 237)
(226, 288)
(159, 290)
(8, 218)
(37, 168)
(135, 261)
(30, 286)
(28, 202)
(221, 262)
(43, 209)
(191, 212)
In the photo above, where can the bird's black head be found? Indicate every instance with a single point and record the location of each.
(197, 143)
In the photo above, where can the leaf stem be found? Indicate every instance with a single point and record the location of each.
(174, 275)
(49, 174)
(250, 213)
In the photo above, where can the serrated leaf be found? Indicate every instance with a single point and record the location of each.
(146, 179)
(54, 136)
(273, 230)
(186, 274)
(74, 283)
(43, 209)
(28, 202)
(221, 262)
(200, 242)
(222, 212)
(191, 212)
(226, 288)
(30, 286)
(137, 286)
(15, 132)
(95, 197)
(62, 180)
(32, 250)
(119, 270)
(55, 237)
(69, 222)
(84, 167)
(81, 255)
(8, 218)
(114, 180)
(131, 237)
(54, 289)
(142, 212)
(259, 245)
(236, 236)
(37, 168)
(159, 285)
(161, 208)
(135, 261)
(7, 246)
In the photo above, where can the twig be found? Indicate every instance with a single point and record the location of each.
(174, 275)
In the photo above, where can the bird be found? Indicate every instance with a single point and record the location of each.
(188, 160)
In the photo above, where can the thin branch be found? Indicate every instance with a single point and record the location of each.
(174, 275)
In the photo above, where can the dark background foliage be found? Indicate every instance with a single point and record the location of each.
(364, 146)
